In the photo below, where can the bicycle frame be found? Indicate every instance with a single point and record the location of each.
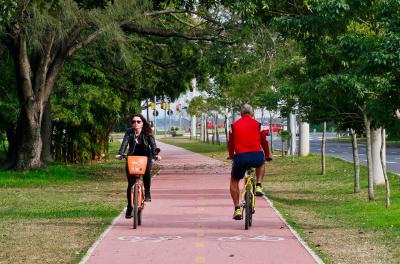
(249, 179)
(248, 199)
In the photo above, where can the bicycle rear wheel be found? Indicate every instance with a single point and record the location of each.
(135, 212)
(251, 205)
(248, 210)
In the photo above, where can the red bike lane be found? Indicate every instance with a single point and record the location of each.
(189, 221)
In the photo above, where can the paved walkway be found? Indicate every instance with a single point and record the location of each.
(189, 221)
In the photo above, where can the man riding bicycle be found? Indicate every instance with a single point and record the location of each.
(248, 147)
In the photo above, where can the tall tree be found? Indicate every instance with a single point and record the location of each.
(42, 36)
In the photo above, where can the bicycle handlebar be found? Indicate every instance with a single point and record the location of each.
(124, 156)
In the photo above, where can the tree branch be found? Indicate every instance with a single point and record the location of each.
(168, 33)
(63, 53)
(159, 64)
(84, 43)
(41, 72)
(24, 69)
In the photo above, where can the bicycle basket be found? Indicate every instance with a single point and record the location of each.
(137, 165)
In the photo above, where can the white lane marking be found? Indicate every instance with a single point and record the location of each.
(148, 239)
(253, 238)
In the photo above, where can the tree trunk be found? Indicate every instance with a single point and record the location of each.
(369, 159)
(323, 150)
(292, 139)
(193, 128)
(29, 137)
(216, 130)
(282, 148)
(271, 135)
(226, 127)
(356, 161)
(271, 132)
(33, 90)
(46, 133)
(206, 126)
(288, 140)
(214, 124)
(376, 144)
(202, 134)
(383, 162)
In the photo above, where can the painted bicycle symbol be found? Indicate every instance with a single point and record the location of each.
(148, 239)
(252, 238)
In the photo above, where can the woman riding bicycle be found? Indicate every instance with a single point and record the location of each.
(141, 143)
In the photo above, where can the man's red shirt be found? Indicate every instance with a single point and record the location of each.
(247, 137)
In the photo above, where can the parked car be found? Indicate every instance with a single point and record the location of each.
(276, 127)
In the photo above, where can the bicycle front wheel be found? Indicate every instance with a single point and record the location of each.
(248, 208)
(135, 212)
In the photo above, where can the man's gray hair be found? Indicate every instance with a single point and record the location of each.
(246, 109)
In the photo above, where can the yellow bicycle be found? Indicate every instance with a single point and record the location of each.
(248, 198)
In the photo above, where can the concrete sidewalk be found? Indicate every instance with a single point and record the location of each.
(189, 221)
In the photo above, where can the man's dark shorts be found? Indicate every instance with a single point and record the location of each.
(245, 160)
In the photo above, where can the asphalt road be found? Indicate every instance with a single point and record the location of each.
(344, 150)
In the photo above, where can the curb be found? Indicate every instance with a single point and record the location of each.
(302, 242)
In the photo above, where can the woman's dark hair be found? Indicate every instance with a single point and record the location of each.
(146, 127)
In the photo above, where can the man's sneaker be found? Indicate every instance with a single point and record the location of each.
(259, 191)
(128, 213)
(237, 215)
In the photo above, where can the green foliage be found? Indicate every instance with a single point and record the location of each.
(85, 109)
(7, 10)
(8, 97)
(197, 106)
(284, 135)
(342, 48)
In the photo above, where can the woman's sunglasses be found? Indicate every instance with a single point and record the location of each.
(136, 121)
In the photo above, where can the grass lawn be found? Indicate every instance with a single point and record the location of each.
(54, 215)
(342, 227)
